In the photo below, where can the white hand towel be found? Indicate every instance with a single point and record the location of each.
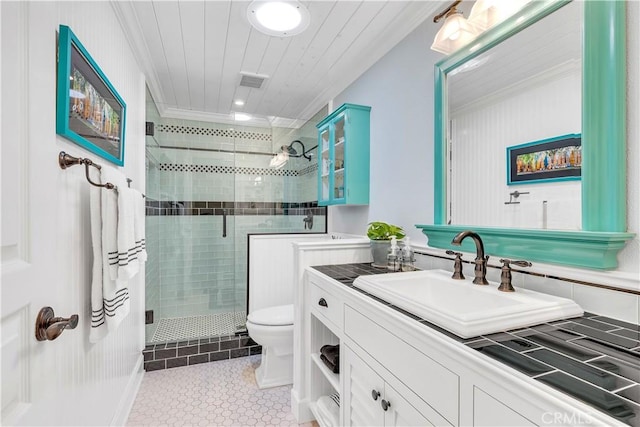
(564, 214)
(128, 247)
(139, 225)
(531, 214)
(109, 297)
(110, 218)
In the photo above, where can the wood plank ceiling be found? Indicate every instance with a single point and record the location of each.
(192, 54)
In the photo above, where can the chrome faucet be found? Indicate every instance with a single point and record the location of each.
(480, 269)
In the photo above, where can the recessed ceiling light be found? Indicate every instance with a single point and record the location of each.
(241, 117)
(278, 18)
(239, 102)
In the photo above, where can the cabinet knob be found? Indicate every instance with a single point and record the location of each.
(375, 394)
(385, 404)
(323, 303)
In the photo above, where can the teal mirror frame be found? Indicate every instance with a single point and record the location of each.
(604, 204)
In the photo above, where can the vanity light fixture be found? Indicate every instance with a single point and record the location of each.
(456, 31)
(278, 18)
(487, 13)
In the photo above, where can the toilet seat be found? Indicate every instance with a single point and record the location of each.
(279, 315)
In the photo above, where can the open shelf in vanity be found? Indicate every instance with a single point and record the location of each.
(324, 382)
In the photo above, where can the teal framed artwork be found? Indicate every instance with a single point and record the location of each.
(549, 160)
(89, 110)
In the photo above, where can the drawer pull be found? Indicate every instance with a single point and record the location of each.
(375, 394)
(323, 303)
(385, 404)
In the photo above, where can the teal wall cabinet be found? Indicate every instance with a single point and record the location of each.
(343, 160)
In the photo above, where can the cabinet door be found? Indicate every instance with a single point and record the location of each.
(487, 411)
(362, 385)
(400, 412)
(338, 162)
(324, 163)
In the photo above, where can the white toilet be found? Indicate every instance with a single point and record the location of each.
(272, 328)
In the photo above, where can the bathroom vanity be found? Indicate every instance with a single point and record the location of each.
(398, 369)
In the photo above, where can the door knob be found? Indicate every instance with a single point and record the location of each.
(49, 327)
(323, 303)
(385, 404)
(375, 394)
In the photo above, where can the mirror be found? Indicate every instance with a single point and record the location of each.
(524, 92)
(603, 141)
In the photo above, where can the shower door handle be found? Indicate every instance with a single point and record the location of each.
(224, 223)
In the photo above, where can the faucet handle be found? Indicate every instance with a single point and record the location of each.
(505, 263)
(505, 277)
(457, 265)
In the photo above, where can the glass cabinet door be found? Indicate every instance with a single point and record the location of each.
(325, 165)
(338, 159)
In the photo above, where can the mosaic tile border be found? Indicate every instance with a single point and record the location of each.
(203, 350)
(195, 208)
(592, 358)
(236, 170)
(227, 133)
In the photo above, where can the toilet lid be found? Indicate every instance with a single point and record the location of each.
(272, 316)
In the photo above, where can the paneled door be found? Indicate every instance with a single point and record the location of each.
(31, 393)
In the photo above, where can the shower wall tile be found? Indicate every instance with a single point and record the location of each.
(192, 269)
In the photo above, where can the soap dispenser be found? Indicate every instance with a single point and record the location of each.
(392, 256)
(408, 259)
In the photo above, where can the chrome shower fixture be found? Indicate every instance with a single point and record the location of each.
(293, 152)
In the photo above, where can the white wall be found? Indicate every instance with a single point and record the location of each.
(399, 88)
(96, 382)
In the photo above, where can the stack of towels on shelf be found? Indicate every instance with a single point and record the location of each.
(330, 355)
(329, 410)
(118, 237)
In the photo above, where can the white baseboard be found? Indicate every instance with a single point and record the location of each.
(301, 408)
(129, 395)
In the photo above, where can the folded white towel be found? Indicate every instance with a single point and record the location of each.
(109, 297)
(329, 411)
(128, 246)
(139, 225)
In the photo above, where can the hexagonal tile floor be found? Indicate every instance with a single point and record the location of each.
(220, 393)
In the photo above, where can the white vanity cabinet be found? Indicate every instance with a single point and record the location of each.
(425, 377)
(369, 400)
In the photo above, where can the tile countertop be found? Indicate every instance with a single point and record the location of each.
(592, 358)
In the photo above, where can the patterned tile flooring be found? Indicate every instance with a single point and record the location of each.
(220, 393)
(184, 328)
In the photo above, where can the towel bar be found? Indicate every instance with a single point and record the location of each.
(66, 160)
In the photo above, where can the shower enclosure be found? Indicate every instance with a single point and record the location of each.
(208, 186)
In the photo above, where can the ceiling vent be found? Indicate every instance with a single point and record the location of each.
(251, 80)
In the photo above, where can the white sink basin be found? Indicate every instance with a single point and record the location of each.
(463, 308)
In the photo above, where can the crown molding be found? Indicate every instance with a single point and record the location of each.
(128, 19)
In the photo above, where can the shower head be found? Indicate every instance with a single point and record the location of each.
(289, 150)
(293, 152)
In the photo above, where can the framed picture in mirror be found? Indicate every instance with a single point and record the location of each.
(89, 110)
(549, 160)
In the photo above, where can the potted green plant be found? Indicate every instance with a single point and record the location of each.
(379, 233)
